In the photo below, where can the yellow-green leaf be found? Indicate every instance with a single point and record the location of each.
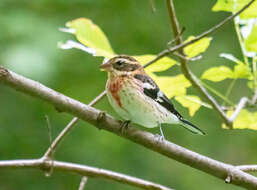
(251, 40)
(159, 66)
(197, 47)
(91, 36)
(242, 71)
(236, 5)
(172, 86)
(218, 73)
(244, 120)
(190, 102)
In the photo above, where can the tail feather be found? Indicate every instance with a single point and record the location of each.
(191, 127)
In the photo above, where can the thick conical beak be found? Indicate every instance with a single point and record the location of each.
(106, 66)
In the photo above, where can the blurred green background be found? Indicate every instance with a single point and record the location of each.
(28, 45)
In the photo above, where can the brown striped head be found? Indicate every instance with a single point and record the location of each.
(121, 65)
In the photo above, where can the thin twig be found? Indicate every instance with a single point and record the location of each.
(197, 38)
(230, 87)
(247, 168)
(196, 58)
(83, 170)
(50, 151)
(211, 30)
(175, 39)
(82, 183)
(49, 129)
(253, 101)
(242, 103)
(185, 69)
(144, 138)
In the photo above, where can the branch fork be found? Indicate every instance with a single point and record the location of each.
(146, 139)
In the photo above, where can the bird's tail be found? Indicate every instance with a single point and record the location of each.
(191, 127)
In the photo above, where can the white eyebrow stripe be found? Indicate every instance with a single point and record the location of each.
(123, 60)
(147, 85)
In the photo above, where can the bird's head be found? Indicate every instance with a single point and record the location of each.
(121, 65)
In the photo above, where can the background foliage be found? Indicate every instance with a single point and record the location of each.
(29, 34)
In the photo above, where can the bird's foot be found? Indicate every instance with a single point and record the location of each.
(124, 126)
(100, 118)
(159, 138)
(162, 138)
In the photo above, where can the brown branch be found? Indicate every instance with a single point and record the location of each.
(91, 115)
(184, 67)
(247, 168)
(200, 36)
(82, 170)
(52, 148)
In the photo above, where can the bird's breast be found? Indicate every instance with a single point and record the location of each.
(114, 86)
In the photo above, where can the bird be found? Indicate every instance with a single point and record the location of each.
(136, 97)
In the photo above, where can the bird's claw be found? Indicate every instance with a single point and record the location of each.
(159, 138)
(124, 126)
(100, 117)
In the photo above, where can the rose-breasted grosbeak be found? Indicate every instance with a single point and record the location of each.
(137, 98)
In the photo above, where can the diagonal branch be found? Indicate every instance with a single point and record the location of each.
(91, 115)
(200, 36)
(247, 168)
(82, 183)
(50, 151)
(184, 67)
(82, 170)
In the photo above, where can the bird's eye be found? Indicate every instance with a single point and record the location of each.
(119, 63)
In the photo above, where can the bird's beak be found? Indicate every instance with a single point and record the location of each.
(106, 66)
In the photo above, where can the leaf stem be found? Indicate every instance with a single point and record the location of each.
(254, 73)
(230, 87)
(241, 42)
(217, 93)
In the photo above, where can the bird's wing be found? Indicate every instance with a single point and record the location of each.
(153, 91)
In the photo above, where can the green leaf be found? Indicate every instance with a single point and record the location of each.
(91, 36)
(242, 71)
(218, 73)
(244, 120)
(161, 65)
(190, 102)
(197, 47)
(172, 86)
(236, 5)
(251, 40)
(250, 84)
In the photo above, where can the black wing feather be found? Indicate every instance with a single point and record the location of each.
(156, 94)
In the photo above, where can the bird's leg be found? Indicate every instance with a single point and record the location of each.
(124, 126)
(162, 135)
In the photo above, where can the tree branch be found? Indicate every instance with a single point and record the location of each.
(91, 115)
(82, 183)
(188, 72)
(184, 67)
(52, 148)
(82, 170)
(248, 168)
(211, 30)
(242, 103)
(200, 36)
